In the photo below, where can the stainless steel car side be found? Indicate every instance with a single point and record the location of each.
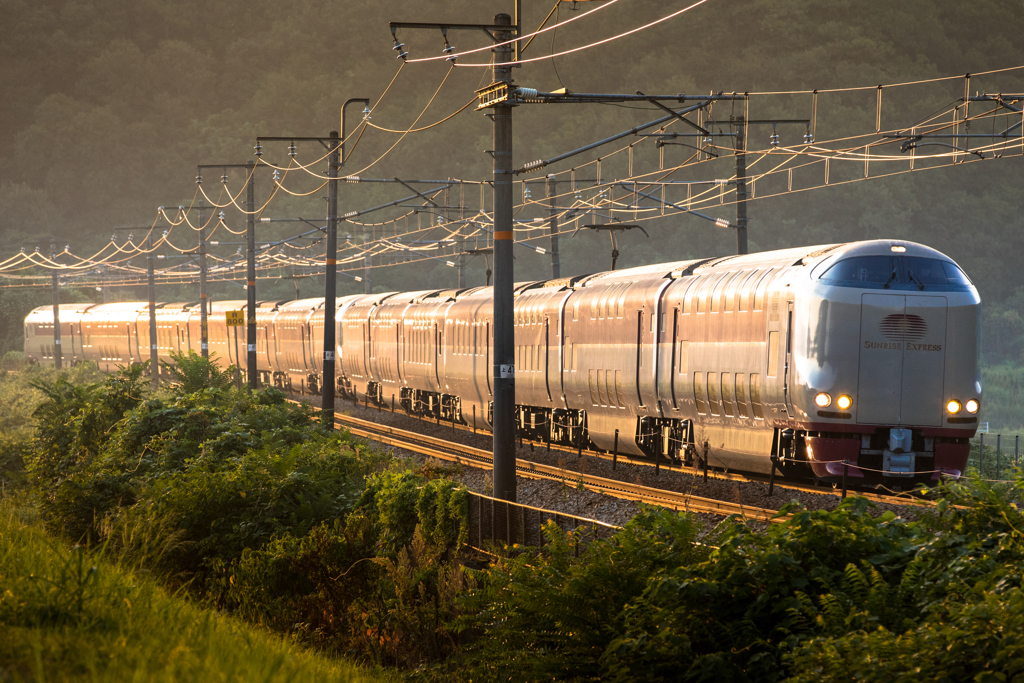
(860, 357)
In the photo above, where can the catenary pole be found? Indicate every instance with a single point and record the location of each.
(55, 279)
(330, 281)
(741, 188)
(556, 266)
(504, 475)
(154, 360)
(250, 308)
(204, 336)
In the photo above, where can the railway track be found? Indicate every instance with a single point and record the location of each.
(900, 498)
(478, 458)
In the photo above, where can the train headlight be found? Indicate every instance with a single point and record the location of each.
(953, 407)
(972, 406)
(823, 400)
(844, 402)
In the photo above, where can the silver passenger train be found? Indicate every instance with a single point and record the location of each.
(863, 353)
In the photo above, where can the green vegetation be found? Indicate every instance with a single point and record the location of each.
(71, 614)
(243, 503)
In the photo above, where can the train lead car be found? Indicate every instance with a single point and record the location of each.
(859, 356)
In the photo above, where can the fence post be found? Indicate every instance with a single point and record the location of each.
(392, 403)
(999, 453)
(474, 419)
(981, 458)
(547, 436)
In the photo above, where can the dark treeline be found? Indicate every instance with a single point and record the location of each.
(108, 108)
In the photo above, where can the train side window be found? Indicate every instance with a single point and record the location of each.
(773, 354)
(755, 396)
(683, 356)
(698, 391)
(567, 354)
(593, 394)
(713, 393)
(601, 389)
(741, 396)
(622, 301)
(762, 285)
(618, 389)
(727, 394)
(576, 308)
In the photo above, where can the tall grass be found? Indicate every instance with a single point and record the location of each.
(72, 615)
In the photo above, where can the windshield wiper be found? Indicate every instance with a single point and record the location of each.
(891, 278)
(913, 278)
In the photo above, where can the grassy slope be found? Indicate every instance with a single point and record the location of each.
(66, 614)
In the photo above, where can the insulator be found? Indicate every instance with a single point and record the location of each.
(709, 140)
(402, 55)
(199, 179)
(222, 215)
(774, 138)
(224, 178)
(808, 138)
(277, 176)
(527, 193)
(366, 112)
(440, 220)
(259, 149)
(291, 150)
(398, 46)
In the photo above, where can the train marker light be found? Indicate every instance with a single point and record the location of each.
(898, 249)
(972, 406)
(953, 407)
(823, 400)
(844, 402)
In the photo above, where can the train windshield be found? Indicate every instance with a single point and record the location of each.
(896, 272)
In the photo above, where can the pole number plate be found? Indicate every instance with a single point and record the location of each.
(328, 355)
(252, 348)
(234, 318)
(507, 371)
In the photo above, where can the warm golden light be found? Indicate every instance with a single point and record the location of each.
(823, 400)
(972, 406)
(953, 406)
(844, 402)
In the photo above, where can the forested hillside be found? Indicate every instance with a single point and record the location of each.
(109, 107)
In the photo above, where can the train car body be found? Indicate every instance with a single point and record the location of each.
(858, 357)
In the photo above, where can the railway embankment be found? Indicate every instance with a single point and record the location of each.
(242, 501)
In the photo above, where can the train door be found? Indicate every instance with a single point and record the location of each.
(400, 347)
(366, 348)
(488, 370)
(675, 367)
(547, 357)
(437, 352)
(639, 354)
(787, 370)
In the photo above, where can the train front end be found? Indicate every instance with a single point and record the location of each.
(886, 387)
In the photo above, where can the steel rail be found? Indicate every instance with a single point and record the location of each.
(475, 457)
(902, 498)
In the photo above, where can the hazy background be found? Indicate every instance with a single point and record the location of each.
(107, 108)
